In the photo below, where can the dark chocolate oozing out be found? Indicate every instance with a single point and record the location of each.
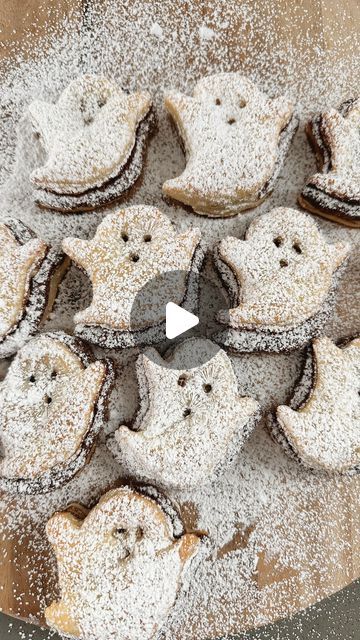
(38, 297)
(111, 190)
(64, 472)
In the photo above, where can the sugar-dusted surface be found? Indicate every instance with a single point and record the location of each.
(336, 138)
(190, 421)
(231, 133)
(280, 537)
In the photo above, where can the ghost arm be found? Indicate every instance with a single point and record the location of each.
(45, 120)
(80, 251)
(183, 110)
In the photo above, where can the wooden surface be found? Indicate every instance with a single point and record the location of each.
(21, 572)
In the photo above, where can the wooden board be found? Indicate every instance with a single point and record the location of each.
(28, 581)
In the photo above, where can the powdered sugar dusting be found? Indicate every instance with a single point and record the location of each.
(278, 534)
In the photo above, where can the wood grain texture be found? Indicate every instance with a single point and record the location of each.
(28, 581)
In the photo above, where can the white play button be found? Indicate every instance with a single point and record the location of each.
(178, 320)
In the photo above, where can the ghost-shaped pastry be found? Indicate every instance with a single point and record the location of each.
(334, 192)
(324, 431)
(87, 136)
(132, 247)
(190, 423)
(52, 405)
(119, 568)
(235, 139)
(19, 262)
(282, 272)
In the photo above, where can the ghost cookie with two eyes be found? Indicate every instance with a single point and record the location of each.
(334, 192)
(52, 406)
(129, 261)
(92, 143)
(30, 272)
(120, 568)
(320, 427)
(281, 281)
(191, 421)
(235, 139)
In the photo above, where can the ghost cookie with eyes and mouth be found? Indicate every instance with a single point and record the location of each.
(235, 138)
(281, 281)
(132, 248)
(334, 192)
(30, 272)
(120, 567)
(52, 406)
(191, 421)
(93, 143)
(320, 427)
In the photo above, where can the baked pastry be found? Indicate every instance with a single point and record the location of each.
(190, 422)
(334, 192)
(131, 248)
(30, 271)
(321, 425)
(119, 567)
(281, 281)
(235, 139)
(94, 140)
(52, 405)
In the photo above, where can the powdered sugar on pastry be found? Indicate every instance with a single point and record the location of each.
(283, 269)
(336, 190)
(190, 421)
(325, 431)
(231, 132)
(18, 264)
(131, 247)
(49, 402)
(88, 134)
(119, 568)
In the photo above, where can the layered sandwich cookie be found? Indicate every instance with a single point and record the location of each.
(131, 248)
(334, 192)
(281, 281)
(235, 139)
(52, 406)
(30, 272)
(320, 426)
(93, 143)
(120, 567)
(191, 422)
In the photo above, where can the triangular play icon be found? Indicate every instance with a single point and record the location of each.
(178, 320)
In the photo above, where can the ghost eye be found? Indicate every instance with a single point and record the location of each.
(182, 381)
(284, 263)
(32, 379)
(297, 247)
(125, 236)
(207, 388)
(217, 101)
(48, 400)
(278, 241)
(187, 412)
(147, 238)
